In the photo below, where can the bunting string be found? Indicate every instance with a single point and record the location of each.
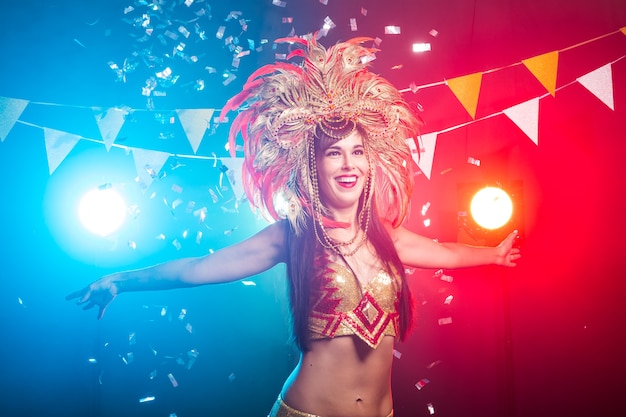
(195, 122)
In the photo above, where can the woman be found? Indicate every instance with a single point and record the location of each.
(329, 137)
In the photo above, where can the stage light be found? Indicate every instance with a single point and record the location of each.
(491, 208)
(102, 211)
(488, 212)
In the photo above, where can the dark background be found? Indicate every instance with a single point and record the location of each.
(544, 339)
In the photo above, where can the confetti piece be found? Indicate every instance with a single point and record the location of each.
(132, 245)
(176, 244)
(421, 383)
(442, 276)
(353, 25)
(448, 300)
(392, 30)
(434, 33)
(176, 203)
(177, 188)
(146, 399)
(431, 408)
(444, 321)
(328, 23)
(249, 283)
(128, 358)
(473, 161)
(279, 3)
(363, 11)
(229, 79)
(397, 354)
(433, 364)
(231, 377)
(421, 47)
(172, 380)
(132, 338)
(425, 208)
(182, 313)
(426, 222)
(92, 360)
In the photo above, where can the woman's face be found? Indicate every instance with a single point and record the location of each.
(342, 171)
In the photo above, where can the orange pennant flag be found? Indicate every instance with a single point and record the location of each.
(623, 30)
(544, 68)
(466, 90)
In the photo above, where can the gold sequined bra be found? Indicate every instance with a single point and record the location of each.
(341, 306)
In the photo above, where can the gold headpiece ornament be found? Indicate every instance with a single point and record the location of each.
(281, 106)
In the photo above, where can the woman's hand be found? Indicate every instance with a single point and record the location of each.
(99, 293)
(507, 254)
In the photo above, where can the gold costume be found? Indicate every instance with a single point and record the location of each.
(340, 305)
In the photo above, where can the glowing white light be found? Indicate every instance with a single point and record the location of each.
(491, 208)
(102, 211)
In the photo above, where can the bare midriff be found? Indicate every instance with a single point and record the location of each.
(342, 377)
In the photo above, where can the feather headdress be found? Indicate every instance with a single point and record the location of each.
(280, 106)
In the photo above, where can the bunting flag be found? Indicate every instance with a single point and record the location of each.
(544, 68)
(11, 109)
(526, 117)
(600, 84)
(623, 30)
(423, 157)
(195, 123)
(58, 145)
(110, 124)
(233, 173)
(466, 89)
(148, 165)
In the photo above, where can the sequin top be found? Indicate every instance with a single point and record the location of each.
(341, 306)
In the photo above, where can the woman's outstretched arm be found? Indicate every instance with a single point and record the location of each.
(421, 252)
(249, 257)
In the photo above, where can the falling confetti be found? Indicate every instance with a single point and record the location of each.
(421, 383)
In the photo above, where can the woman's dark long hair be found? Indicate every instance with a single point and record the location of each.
(300, 270)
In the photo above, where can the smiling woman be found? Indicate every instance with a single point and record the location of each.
(314, 133)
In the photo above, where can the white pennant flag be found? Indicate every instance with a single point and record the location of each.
(58, 146)
(426, 153)
(526, 116)
(600, 83)
(148, 165)
(195, 122)
(11, 109)
(110, 124)
(234, 165)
